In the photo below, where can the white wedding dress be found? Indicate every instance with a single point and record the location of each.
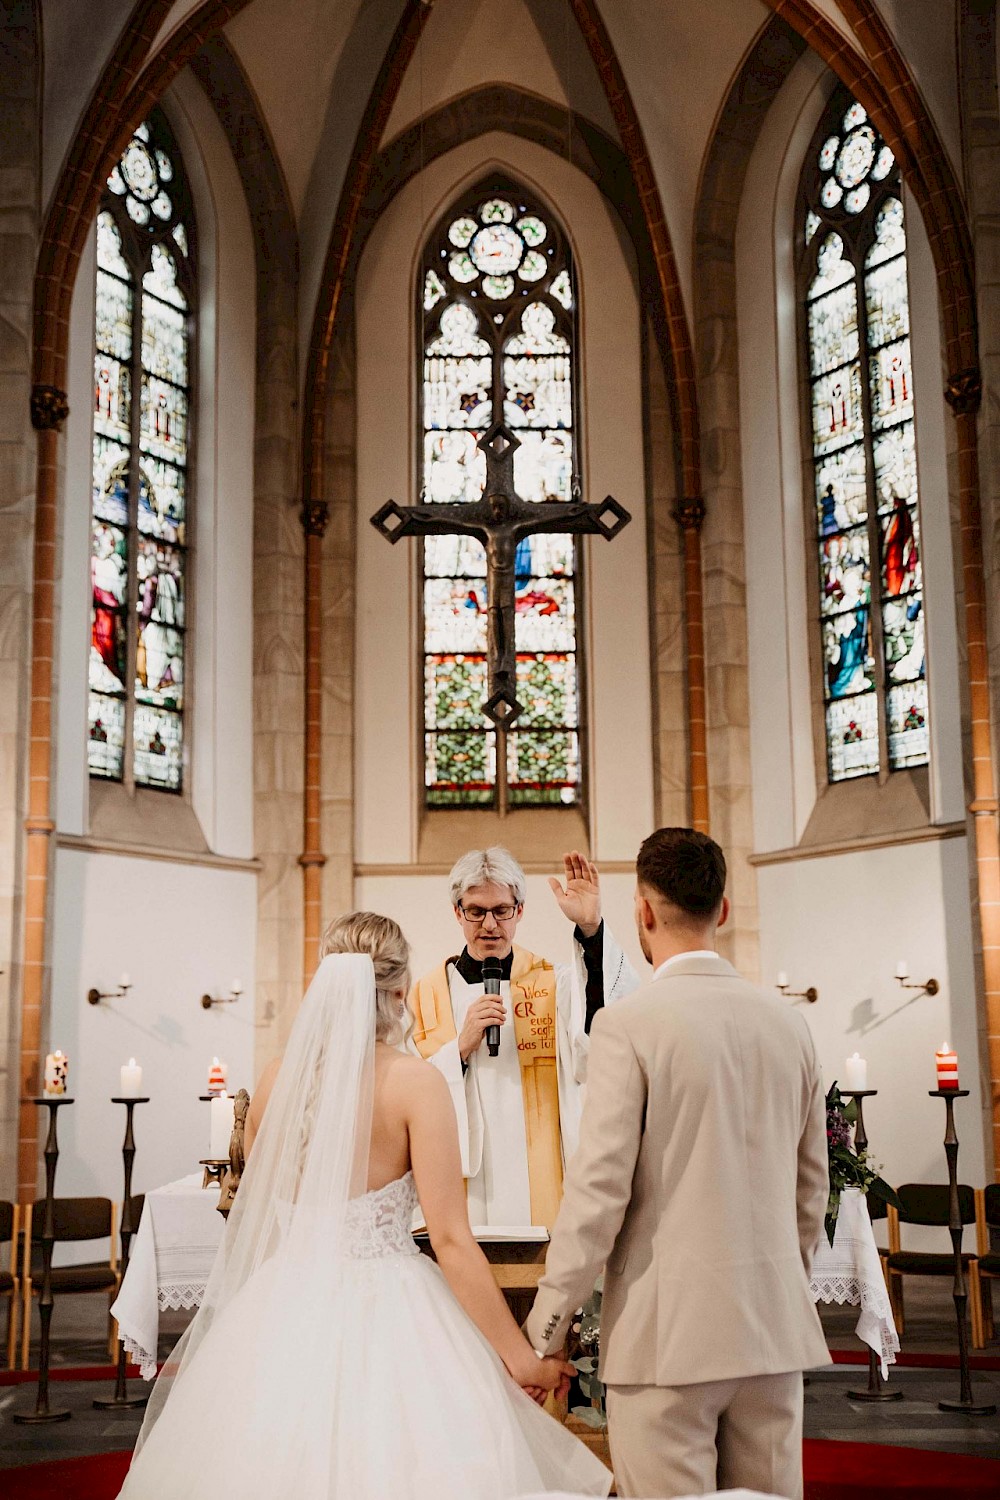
(347, 1372)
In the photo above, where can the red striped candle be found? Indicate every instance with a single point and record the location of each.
(947, 1068)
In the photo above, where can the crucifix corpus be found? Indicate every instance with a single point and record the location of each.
(500, 519)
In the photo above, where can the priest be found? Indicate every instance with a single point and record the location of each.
(518, 1112)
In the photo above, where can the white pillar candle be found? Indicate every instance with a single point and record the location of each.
(131, 1085)
(902, 969)
(222, 1108)
(782, 980)
(237, 988)
(56, 1073)
(856, 1072)
(125, 982)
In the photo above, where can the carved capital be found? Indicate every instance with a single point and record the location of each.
(689, 513)
(315, 517)
(964, 392)
(49, 407)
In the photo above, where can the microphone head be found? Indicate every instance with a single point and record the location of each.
(492, 968)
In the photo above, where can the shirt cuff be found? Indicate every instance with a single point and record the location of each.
(592, 946)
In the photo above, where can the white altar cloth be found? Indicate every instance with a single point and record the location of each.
(170, 1260)
(849, 1270)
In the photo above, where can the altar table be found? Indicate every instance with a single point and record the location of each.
(169, 1264)
(850, 1271)
(180, 1231)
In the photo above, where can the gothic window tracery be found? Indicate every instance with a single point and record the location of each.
(498, 336)
(863, 449)
(145, 304)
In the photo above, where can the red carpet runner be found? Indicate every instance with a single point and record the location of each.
(834, 1471)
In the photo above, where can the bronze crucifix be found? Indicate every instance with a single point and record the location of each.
(500, 519)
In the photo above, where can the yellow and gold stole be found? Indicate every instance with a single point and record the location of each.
(533, 1000)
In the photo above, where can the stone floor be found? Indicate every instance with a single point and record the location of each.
(914, 1421)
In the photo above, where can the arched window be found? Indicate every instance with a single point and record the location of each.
(863, 451)
(497, 327)
(142, 363)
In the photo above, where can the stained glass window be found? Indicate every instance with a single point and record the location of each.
(143, 324)
(498, 334)
(864, 455)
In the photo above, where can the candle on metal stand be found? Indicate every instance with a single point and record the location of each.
(947, 1067)
(902, 969)
(217, 1077)
(56, 1074)
(43, 1412)
(121, 1400)
(221, 1128)
(855, 1074)
(959, 1293)
(131, 1079)
(782, 980)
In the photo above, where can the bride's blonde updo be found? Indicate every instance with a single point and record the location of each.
(382, 939)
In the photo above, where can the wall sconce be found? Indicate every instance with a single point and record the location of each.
(811, 995)
(94, 997)
(207, 1001)
(929, 987)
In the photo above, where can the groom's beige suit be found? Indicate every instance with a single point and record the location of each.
(700, 1183)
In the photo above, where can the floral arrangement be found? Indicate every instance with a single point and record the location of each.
(584, 1354)
(848, 1168)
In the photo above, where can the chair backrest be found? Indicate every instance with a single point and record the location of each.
(927, 1203)
(6, 1222)
(991, 1202)
(75, 1218)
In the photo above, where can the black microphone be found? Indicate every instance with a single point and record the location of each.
(492, 975)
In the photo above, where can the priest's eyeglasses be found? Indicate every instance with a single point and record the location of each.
(479, 914)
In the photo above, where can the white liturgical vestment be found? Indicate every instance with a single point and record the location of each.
(488, 1096)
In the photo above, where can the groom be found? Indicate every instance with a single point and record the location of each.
(700, 1183)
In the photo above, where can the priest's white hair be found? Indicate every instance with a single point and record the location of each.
(495, 865)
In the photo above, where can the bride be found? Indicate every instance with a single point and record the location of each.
(330, 1360)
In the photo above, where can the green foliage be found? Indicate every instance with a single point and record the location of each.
(583, 1355)
(848, 1168)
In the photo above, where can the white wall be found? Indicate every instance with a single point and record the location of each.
(388, 771)
(179, 931)
(184, 925)
(843, 922)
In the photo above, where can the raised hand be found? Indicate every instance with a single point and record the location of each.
(580, 898)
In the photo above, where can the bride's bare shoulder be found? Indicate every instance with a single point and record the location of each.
(411, 1077)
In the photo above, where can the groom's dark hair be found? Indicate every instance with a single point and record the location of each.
(685, 867)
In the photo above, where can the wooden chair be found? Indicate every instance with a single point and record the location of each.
(927, 1203)
(76, 1220)
(987, 1218)
(10, 1281)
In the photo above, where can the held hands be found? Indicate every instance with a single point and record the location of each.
(488, 1010)
(580, 900)
(540, 1376)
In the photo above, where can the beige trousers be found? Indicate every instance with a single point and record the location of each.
(694, 1439)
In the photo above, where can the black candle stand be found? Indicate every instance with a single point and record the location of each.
(965, 1402)
(877, 1389)
(43, 1412)
(121, 1400)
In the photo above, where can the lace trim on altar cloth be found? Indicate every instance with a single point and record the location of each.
(141, 1357)
(178, 1295)
(876, 1312)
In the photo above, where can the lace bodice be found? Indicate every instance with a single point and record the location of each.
(378, 1224)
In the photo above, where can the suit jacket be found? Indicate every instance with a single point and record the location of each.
(700, 1182)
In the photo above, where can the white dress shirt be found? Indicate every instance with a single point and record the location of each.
(688, 953)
